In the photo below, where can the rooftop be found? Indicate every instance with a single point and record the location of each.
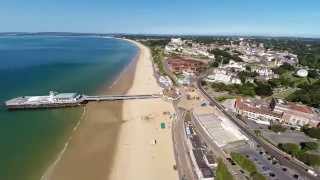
(66, 95)
(256, 106)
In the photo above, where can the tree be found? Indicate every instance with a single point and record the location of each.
(222, 172)
(214, 64)
(247, 165)
(243, 75)
(312, 132)
(263, 89)
(310, 159)
(248, 68)
(274, 83)
(257, 132)
(313, 74)
(258, 176)
(203, 83)
(284, 68)
(247, 89)
(309, 146)
(277, 128)
(290, 148)
(244, 162)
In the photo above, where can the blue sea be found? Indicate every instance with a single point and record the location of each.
(34, 65)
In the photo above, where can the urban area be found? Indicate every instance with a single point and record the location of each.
(246, 108)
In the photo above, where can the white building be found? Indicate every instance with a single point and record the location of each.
(302, 73)
(296, 115)
(223, 76)
(165, 81)
(237, 66)
(256, 110)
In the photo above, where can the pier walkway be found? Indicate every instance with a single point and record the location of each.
(67, 100)
(118, 97)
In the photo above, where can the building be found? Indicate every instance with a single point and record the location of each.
(165, 81)
(63, 97)
(185, 78)
(236, 66)
(257, 110)
(264, 73)
(223, 76)
(220, 129)
(177, 65)
(277, 111)
(295, 114)
(302, 73)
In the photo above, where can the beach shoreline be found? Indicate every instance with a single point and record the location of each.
(119, 85)
(96, 151)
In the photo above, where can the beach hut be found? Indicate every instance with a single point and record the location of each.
(162, 125)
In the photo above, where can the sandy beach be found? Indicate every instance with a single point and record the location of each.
(116, 140)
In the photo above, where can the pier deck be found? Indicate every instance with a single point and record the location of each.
(119, 97)
(67, 100)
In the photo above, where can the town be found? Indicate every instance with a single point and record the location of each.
(240, 112)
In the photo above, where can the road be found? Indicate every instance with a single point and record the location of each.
(272, 150)
(182, 155)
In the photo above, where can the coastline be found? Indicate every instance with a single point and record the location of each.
(95, 149)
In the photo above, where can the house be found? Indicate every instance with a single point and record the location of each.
(223, 76)
(256, 110)
(264, 73)
(277, 111)
(237, 66)
(295, 114)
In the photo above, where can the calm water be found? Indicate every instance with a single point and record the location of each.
(30, 140)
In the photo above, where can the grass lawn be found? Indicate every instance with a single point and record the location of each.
(297, 80)
(222, 172)
(223, 98)
(283, 93)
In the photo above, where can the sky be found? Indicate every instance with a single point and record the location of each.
(204, 17)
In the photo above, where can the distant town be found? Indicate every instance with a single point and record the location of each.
(247, 108)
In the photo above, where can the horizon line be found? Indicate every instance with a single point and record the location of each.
(173, 34)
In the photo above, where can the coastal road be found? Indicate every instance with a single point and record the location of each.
(272, 150)
(182, 154)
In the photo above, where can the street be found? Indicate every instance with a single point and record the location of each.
(182, 155)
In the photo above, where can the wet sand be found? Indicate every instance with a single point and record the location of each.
(115, 139)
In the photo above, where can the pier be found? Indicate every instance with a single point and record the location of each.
(56, 100)
(119, 97)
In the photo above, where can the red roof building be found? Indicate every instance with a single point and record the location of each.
(288, 113)
(178, 65)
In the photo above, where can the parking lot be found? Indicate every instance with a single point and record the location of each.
(267, 165)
